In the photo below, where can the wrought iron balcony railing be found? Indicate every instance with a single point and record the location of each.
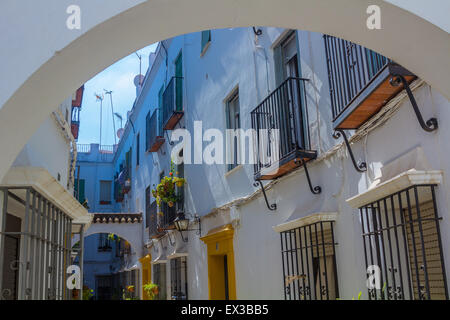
(169, 215)
(154, 134)
(359, 81)
(280, 122)
(173, 103)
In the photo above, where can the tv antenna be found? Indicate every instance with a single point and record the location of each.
(100, 98)
(112, 114)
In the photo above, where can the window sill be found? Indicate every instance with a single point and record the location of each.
(230, 172)
(396, 184)
(205, 48)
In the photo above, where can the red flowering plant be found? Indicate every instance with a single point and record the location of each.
(165, 190)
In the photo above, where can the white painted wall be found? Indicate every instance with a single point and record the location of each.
(40, 29)
(232, 60)
(48, 148)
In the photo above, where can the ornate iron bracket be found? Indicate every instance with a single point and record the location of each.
(432, 123)
(257, 32)
(170, 142)
(272, 206)
(314, 190)
(359, 167)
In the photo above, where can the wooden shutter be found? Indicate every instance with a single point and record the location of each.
(160, 109)
(147, 132)
(206, 37)
(432, 251)
(179, 82)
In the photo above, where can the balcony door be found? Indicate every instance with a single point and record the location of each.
(288, 56)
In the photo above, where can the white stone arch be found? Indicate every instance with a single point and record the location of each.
(39, 51)
(131, 232)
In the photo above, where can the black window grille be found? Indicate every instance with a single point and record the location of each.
(159, 278)
(401, 237)
(178, 278)
(152, 218)
(309, 264)
(104, 244)
(350, 68)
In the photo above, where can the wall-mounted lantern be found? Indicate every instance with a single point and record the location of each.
(182, 224)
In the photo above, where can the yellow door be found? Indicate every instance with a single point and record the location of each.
(221, 273)
(146, 274)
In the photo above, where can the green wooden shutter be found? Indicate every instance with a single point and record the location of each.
(160, 109)
(278, 61)
(79, 185)
(147, 132)
(206, 37)
(179, 82)
(138, 138)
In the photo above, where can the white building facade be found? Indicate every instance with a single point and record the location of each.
(39, 213)
(333, 215)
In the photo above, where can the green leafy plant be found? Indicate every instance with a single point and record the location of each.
(128, 293)
(151, 289)
(88, 293)
(113, 237)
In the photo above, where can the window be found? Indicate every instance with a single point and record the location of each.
(138, 149)
(104, 244)
(159, 278)
(233, 122)
(401, 237)
(206, 40)
(151, 209)
(147, 132)
(178, 278)
(286, 59)
(105, 192)
(309, 264)
(160, 111)
(119, 248)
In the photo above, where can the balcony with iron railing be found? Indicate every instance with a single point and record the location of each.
(155, 137)
(172, 103)
(360, 81)
(280, 122)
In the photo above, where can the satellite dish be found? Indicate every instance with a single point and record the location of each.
(138, 80)
(120, 133)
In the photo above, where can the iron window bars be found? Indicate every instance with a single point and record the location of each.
(172, 103)
(159, 278)
(309, 263)
(178, 278)
(350, 69)
(104, 244)
(401, 236)
(45, 245)
(153, 220)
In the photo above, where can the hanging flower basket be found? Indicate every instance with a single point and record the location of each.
(165, 190)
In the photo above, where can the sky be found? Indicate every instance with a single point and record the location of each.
(118, 78)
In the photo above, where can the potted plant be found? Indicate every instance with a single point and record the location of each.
(151, 290)
(165, 191)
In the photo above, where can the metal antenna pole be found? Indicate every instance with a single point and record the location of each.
(140, 68)
(112, 113)
(101, 106)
